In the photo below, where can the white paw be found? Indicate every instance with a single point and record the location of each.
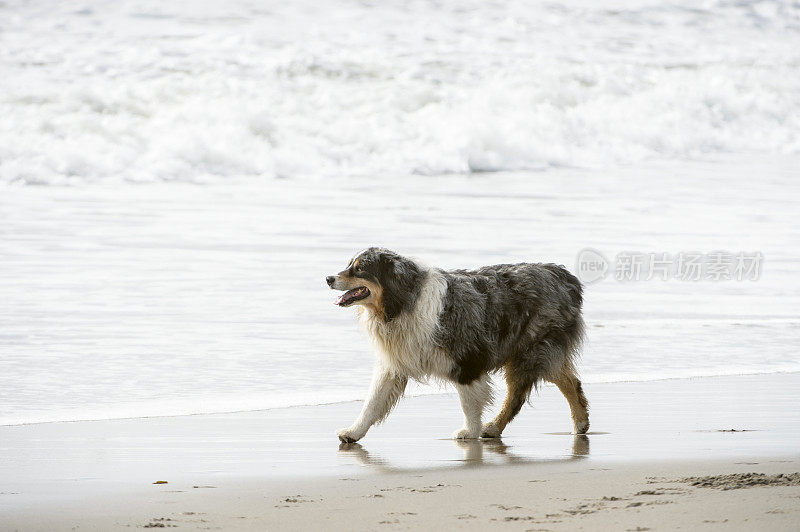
(490, 430)
(466, 434)
(349, 435)
(581, 427)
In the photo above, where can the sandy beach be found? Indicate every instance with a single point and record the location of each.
(644, 466)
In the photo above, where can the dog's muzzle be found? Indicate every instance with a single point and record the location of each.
(350, 296)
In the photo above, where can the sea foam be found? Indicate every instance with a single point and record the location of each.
(193, 91)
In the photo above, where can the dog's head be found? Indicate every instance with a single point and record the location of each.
(380, 280)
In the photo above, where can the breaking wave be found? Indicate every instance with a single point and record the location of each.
(186, 91)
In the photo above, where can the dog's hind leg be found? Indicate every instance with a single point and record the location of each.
(474, 398)
(519, 388)
(570, 386)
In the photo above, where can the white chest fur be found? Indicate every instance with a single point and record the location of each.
(406, 345)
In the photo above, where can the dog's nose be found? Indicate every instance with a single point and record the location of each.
(330, 279)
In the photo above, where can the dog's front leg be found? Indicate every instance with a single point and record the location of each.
(384, 392)
(474, 398)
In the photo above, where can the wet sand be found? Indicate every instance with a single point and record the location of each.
(283, 468)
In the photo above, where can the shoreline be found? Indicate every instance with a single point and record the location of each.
(498, 384)
(54, 476)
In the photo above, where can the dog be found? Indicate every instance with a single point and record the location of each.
(460, 326)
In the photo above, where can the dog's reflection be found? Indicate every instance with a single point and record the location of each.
(362, 455)
(580, 446)
(474, 452)
(474, 449)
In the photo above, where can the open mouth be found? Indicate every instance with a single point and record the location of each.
(351, 296)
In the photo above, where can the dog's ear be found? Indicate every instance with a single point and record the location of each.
(400, 280)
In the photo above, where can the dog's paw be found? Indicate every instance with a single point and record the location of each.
(349, 435)
(465, 434)
(490, 430)
(581, 427)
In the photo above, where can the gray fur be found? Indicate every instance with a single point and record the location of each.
(525, 316)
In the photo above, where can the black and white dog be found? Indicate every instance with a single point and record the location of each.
(461, 325)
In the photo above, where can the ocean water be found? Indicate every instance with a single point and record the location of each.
(145, 90)
(177, 179)
(157, 299)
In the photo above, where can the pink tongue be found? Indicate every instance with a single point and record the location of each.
(347, 295)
